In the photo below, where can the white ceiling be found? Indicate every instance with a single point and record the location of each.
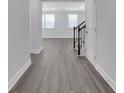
(46, 6)
(64, 0)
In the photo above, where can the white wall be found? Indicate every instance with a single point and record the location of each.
(36, 27)
(106, 37)
(105, 44)
(63, 0)
(61, 24)
(19, 39)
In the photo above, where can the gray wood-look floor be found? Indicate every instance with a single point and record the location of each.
(58, 69)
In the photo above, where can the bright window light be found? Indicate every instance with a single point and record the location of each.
(72, 20)
(48, 21)
(43, 20)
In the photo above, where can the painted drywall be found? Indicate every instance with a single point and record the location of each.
(61, 24)
(63, 6)
(105, 38)
(63, 0)
(36, 27)
(18, 37)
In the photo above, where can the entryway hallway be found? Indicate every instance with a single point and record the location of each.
(58, 69)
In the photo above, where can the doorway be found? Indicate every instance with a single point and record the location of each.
(91, 30)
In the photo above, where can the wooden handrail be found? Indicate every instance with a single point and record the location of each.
(82, 27)
(79, 24)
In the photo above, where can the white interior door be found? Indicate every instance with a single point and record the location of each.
(90, 30)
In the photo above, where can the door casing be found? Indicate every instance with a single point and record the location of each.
(90, 14)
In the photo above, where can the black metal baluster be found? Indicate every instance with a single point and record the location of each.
(74, 38)
(79, 36)
(84, 35)
(78, 40)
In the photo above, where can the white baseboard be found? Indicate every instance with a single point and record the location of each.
(37, 51)
(18, 75)
(91, 60)
(106, 77)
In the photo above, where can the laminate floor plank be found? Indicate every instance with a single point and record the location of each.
(58, 69)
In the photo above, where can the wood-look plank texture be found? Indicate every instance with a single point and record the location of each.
(58, 69)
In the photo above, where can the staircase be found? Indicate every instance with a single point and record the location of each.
(79, 37)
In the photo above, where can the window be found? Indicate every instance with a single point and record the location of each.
(72, 20)
(43, 21)
(48, 21)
